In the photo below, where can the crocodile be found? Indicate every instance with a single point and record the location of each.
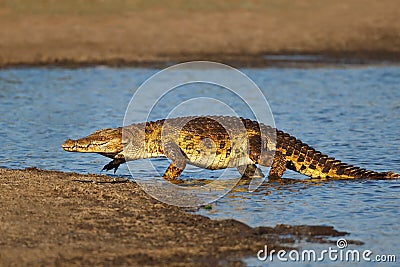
(216, 142)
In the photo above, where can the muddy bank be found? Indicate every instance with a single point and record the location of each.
(64, 219)
(154, 33)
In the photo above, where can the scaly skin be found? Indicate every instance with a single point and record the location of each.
(216, 142)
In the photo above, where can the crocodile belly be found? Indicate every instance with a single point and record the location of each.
(210, 157)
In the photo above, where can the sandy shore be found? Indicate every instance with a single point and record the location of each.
(50, 218)
(161, 32)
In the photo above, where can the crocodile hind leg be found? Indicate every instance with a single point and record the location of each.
(178, 164)
(250, 171)
(278, 166)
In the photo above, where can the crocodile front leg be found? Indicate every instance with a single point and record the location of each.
(114, 164)
(178, 164)
(172, 172)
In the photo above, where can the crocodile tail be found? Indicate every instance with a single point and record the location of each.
(304, 159)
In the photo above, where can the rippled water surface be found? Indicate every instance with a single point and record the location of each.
(352, 114)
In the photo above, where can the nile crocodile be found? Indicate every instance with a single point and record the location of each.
(216, 142)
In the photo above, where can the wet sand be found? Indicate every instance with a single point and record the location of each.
(50, 218)
(152, 33)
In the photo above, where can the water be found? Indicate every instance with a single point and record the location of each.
(350, 113)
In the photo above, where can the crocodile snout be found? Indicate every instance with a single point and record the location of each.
(69, 145)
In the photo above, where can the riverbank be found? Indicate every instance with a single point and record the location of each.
(55, 218)
(153, 33)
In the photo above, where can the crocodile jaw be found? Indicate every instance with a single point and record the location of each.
(70, 145)
(107, 141)
(89, 146)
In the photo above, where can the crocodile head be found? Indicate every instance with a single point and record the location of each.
(107, 142)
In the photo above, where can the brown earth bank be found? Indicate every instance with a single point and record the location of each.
(50, 218)
(148, 33)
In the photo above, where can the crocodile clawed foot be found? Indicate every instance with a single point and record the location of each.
(112, 165)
